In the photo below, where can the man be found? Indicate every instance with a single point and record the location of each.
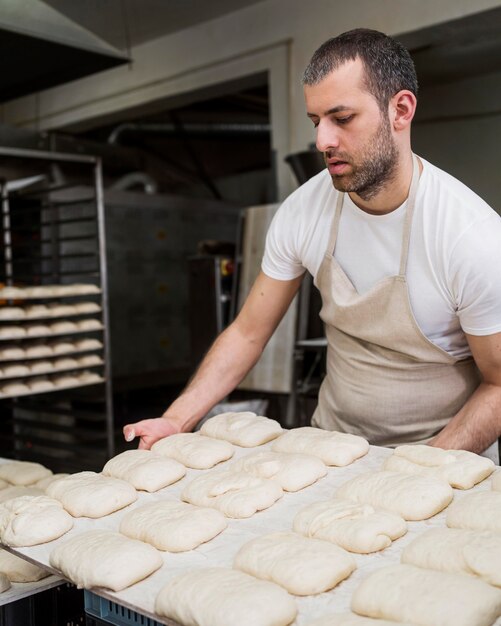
(407, 260)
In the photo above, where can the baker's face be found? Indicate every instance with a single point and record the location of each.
(355, 137)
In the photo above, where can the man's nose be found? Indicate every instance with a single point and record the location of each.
(327, 137)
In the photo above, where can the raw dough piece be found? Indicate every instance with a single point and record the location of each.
(236, 494)
(63, 347)
(14, 389)
(226, 597)
(3, 484)
(4, 583)
(496, 481)
(459, 468)
(66, 381)
(18, 570)
(413, 497)
(173, 526)
(194, 450)
(87, 494)
(13, 352)
(355, 527)
(38, 330)
(89, 325)
(37, 351)
(332, 447)
(45, 482)
(31, 520)
(244, 429)
(40, 384)
(476, 511)
(460, 551)
(40, 291)
(87, 307)
(102, 558)
(302, 566)
(89, 377)
(144, 469)
(79, 289)
(350, 619)
(12, 332)
(18, 369)
(41, 366)
(427, 598)
(88, 344)
(11, 313)
(63, 327)
(23, 473)
(65, 363)
(90, 360)
(16, 492)
(292, 471)
(37, 310)
(61, 310)
(12, 293)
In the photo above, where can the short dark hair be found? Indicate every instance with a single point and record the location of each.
(387, 63)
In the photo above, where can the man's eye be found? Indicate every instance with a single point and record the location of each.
(344, 120)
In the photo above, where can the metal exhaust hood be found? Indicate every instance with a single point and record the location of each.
(41, 48)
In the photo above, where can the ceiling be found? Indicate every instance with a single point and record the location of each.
(125, 23)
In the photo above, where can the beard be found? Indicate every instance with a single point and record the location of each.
(374, 168)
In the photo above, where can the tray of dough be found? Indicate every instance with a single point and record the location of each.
(48, 335)
(42, 292)
(221, 550)
(43, 312)
(97, 379)
(49, 371)
(21, 354)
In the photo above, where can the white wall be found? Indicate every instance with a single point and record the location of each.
(275, 35)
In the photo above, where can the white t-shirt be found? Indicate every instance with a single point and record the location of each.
(454, 264)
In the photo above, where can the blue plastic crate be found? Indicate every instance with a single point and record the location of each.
(114, 613)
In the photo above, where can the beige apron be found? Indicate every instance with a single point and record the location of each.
(385, 380)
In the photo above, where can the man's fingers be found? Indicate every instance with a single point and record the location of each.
(129, 433)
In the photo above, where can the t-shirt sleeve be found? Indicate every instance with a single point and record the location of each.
(476, 277)
(281, 259)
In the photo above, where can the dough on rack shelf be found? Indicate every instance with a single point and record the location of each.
(37, 351)
(412, 497)
(38, 330)
(194, 450)
(17, 369)
(457, 551)
(90, 360)
(41, 367)
(63, 327)
(18, 570)
(236, 494)
(37, 310)
(12, 293)
(32, 520)
(461, 469)
(87, 307)
(476, 511)
(60, 310)
(14, 389)
(144, 470)
(12, 332)
(292, 471)
(65, 363)
(300, 565)
(355, 527)
(12, 352)
(66, 380)
(15, 492)
(41, 383)
(12, 313)
(225, 597)
(87, 377)
(173, 526)
(4, 582)
(425, 597)
(63, 347)
(91, 324)
(102, 558)
(496, 481)
(41, 291)
(23, 473)
(89, 343)
(244, 429)
(87, 494)
(351, 619)
(331, 447)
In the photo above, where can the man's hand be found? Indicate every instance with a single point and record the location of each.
(150, 431)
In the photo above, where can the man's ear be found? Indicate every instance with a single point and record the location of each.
(402, 108)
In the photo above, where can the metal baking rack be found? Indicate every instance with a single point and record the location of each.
(53, 235)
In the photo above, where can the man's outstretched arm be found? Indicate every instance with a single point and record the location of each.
(231, 357)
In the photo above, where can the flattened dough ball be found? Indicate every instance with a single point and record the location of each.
(301, 566)
(292, 471)
(225, 597)
(236, 494)
(355, 527)
(18, 570)
(102, 558)
(476, 511)
(244, 429)
(144, 469)
(412, 497)
(407, 593)
(173, 526)
(87, 494)
(31, 520)
(331, 447)
(23, 473)
(194, 450)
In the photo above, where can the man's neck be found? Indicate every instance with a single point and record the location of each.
(394, 194)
